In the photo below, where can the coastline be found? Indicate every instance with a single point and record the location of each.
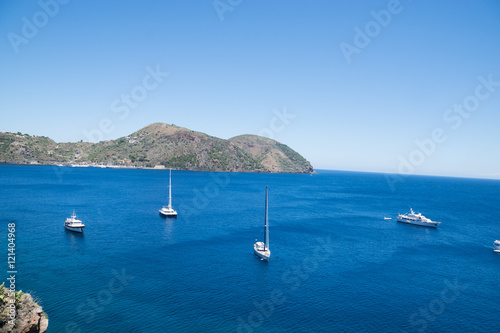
(157, 167)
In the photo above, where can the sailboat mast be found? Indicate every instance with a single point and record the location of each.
(266, 230)
(170, 190)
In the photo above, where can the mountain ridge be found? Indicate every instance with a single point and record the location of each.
(159, 145)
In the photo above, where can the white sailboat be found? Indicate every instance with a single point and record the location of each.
(74, 224)
(168, 211)
(261, 249)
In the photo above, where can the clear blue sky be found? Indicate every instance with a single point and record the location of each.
(229, 77)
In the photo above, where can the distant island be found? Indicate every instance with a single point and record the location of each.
(158, 146)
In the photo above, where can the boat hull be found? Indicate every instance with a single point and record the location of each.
(167, 214)
(420, 223)
(79, 229)
(263, 254)
(496, 246)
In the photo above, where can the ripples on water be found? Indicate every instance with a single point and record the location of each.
(197, 273)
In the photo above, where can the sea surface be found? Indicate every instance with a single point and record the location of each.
(336, 264)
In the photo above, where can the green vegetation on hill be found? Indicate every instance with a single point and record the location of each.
(160, 144)
(272, 155)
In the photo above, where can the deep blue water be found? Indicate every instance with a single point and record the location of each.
(336, 266)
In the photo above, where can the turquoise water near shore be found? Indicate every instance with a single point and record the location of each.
(336, 266)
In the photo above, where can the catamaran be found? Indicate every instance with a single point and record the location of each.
(74, 224)
(417, 219)
(261, 249)
(168, 211)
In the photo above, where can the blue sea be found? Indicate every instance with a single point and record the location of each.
(336, 264)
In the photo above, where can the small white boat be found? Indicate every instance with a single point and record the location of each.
(74, 224)
(261, 249)
(417, 219)
(168, 211)
(496, 246)
(387, 218)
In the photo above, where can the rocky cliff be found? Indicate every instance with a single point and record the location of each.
(29, 316)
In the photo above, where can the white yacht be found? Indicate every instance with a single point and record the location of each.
(387, 218)
(168, 211)
(417, 219)
(74, 224)
(261, 249)
(496, 246)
